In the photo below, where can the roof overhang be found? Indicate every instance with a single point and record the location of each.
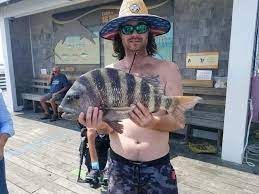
(20, 8)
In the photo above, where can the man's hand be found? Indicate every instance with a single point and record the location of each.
(54, 95)
(142, 117)
(94, 119)
(3, 139)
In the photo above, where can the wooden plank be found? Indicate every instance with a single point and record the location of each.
(31, 96)
(58, 156)
(198, 83)
(206, 115)
(213, 102)
(40, 86)
(205, 123)
(242, 183)
(75, 187)
(205, 119)
(20, 177)
(205, 91)
(40, 80)
(32, 179)
(12, 188)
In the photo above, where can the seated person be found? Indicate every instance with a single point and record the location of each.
(100, 149)
(58, 86)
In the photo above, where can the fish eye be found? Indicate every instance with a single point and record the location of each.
(69, 98)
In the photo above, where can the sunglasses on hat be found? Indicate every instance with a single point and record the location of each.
(128, 29)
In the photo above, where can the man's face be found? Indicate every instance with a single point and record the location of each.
(134, 35)
(55, 71)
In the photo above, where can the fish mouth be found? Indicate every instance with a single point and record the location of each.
(65, 109)
(68, 113)
(69, 116)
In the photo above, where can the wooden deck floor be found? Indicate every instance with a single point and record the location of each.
(42, 157)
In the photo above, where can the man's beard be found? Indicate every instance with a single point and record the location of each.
(138, 46)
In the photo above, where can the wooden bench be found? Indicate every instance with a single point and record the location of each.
(208, 115)
(39, 87)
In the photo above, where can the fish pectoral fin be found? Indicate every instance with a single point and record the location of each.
(116, 126)
(119, 113)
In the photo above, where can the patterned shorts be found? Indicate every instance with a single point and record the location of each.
(130, 177)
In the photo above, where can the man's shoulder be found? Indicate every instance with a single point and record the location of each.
(62, 76)
(164, 64)
(172, 65)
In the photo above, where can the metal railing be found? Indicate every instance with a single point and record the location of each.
(2, 80)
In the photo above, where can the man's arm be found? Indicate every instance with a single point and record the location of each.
(174, 87)
(6, 125)
(50, 79)
(64, 89)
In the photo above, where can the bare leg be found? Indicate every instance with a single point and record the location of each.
(91, 135)
(53, 106)
(44, 105)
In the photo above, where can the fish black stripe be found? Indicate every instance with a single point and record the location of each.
(115, 80)
(89, 88)
(168, 103)
(113, 74)
(100, 84)
(145, 93)
(158, 100)
(131, 86)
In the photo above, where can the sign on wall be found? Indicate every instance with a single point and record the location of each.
(77, 51)
(202, 60)
(76, 44)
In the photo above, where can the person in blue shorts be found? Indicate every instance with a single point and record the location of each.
(59, 85)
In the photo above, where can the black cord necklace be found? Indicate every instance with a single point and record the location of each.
(132, 61)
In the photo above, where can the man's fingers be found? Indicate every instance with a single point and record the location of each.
(95, 116)
(143, 109)
(100, 117)
(89, 115)
(81, 118)
(138, 112)
(134, 118)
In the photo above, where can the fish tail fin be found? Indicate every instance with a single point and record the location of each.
(177, 105)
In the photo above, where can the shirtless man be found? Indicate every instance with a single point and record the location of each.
(139, 157)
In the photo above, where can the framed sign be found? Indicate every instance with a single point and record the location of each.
(76, 43)
(203, 60)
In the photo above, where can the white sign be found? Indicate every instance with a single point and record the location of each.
(43, 71)
(203, 60)
(203, 75)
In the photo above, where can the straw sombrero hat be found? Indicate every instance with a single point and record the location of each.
(135, 10)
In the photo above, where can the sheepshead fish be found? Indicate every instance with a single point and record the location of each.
(114, 91)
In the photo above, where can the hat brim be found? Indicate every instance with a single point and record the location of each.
(157, 25)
